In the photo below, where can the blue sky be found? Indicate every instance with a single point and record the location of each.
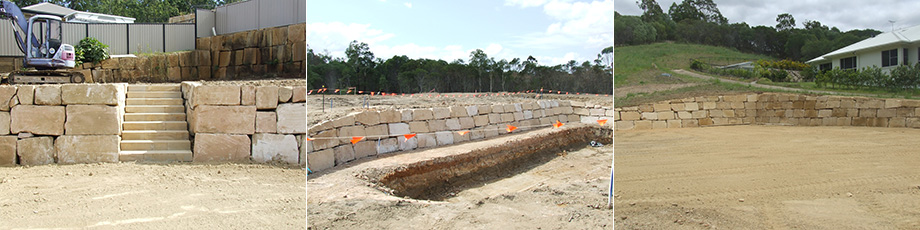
(553, 31)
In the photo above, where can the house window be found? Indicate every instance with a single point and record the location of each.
(889, 57)
(824, 67)
(848, 63)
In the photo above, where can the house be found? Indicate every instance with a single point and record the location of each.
(886, 50)
(70, 15)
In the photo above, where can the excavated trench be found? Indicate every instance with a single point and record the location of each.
(443, 177)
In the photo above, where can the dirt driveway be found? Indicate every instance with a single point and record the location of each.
(767, 177)
(139, 196)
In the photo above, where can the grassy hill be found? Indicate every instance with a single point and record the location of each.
(643, 65)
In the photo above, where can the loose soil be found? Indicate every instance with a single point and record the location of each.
(650, 88)
(568, 191)
(767, 177)
(141, 196)
(318, 106)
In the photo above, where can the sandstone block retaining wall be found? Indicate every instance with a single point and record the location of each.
(70, 123)
(239, 123)
(384, 130)
(770, 108)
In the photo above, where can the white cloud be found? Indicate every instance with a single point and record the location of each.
(585, 24)
(525, 3)
(335, 36)
(408, 4)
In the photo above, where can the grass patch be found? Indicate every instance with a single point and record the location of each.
(713, 87)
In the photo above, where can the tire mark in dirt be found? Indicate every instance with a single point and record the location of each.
(874, 203)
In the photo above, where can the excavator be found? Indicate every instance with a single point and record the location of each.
(39, 39)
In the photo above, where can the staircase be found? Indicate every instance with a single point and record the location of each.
(154, 127)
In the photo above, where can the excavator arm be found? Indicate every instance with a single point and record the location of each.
(9, 10)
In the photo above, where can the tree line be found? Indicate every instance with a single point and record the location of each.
(480, 73)
(144, 11)
(701, 22)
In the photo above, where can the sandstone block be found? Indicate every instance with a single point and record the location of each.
(343, 121)
(350, 131)
(368, 117)
(92, 120)
(426, 140)
(389, 116)
(344, 153)
(405, 144)
(405, 115)
(484, 109)
(320, 160)
(35, 150)
(507, 117)
(458, 111)
(76, 149)
(43, 120)
(495, 118)
(481, 120)
(445, 137)
(229, 119)
(629, 116)
(452, 124)
(467, 123)
(472, 110)
(643, 125)
(377, 130)
(216, 95)
(26, 93)
(266, 122)
(437, 125)
(323, 140)
(398, 128)
(274, 147)
(299, 94)
(292, 118)
(387, 145)
(266, 97)
(8, 150)
(422, 114)
(222, 148)
(418, 127)
(650, 116)
(498, 108)
(285, 93)
(247, 95)
(44, 95)
(440, 113)
(365, 148)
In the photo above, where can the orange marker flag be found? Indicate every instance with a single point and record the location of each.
(309, 139)
(602, 121)
(463, 132)
(510, 128)
(310, 92)
(408, 136)
(336, 90)
(558, 124)
(355, 140)
(360, 91)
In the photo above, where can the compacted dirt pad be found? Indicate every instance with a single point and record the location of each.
(138, 196)
(768, 177)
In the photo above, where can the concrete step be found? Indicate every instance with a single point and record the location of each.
(155, 155)
(154, 135)
(170, 87)
(155, 125)
(154, 117)
(154, 109)
(129, 145)
(154, 94)
(154, 101)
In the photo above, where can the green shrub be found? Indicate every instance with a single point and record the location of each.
(91, 50)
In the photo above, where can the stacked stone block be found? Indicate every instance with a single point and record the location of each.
(384, 129)
(242, 123)
(279, 51)
(70, 123)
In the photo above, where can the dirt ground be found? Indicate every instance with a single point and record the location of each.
(568, 191)
(318, 106)
(767, 177)
(650, 88)
(142, 196)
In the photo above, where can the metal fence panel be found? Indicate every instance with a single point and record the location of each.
(253, 15)
(205, 20)
(180, 37)
(242, 16)
(113, 35)
(8, 47)
(146, 38)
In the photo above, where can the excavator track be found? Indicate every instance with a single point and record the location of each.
(45, 77)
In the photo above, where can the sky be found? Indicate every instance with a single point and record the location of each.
(844, 14)
(552, 31)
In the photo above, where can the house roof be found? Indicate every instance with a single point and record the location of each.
(901, 36)
(48, 8)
